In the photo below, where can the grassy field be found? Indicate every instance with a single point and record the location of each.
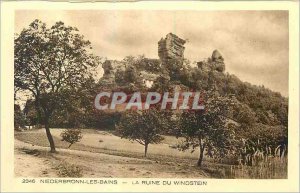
(106, 142)
(162, 160)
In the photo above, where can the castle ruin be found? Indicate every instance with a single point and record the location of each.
(170, 50)
(171, 47)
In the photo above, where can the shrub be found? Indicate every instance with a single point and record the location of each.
(71, 136)
(69, 170)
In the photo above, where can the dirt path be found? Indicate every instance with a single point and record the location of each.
(36, 161)
(28, 163)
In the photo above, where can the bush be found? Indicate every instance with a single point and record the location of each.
(102, 120)
(71, 136)
(69, 170)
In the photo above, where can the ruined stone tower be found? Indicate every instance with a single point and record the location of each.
(171, 47)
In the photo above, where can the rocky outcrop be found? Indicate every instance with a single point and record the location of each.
(171, 54)
(215, 63)
(171, 47)
(216, 56)
(110, 68)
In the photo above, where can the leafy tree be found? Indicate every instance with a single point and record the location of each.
(31, 114)
(242, 114)
(145, 126)
(51, 63)
(208, 129)
(19, 119)
(130, 76)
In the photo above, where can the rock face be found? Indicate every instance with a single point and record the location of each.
(218, 61)
(215, 63)
(110, 68)
(216, 56)
(171, 47)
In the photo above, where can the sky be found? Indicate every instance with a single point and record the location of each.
(254, 44)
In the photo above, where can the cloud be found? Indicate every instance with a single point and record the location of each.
(253, 43)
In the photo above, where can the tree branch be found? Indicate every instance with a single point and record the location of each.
(139, 141)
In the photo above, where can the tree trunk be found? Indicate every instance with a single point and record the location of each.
(49, 136)
(199, 163)
(146, 149)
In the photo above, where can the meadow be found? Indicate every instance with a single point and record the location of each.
(127, 158)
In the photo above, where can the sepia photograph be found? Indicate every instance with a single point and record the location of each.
(149, 96)
(142, 94)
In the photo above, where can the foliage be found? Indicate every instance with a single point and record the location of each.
(242, 114)
(19, 119)
(51, 63)
(71, 136)
(69, 170)
(208, 129)
(257, 113)
(145, 127)
(102, 120)
(264, 139)
(162, 83)
(50, 59)
(252, 107)
(269, 107)
(270, 168)
(31, 113)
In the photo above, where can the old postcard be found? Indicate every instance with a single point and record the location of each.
(150, 96)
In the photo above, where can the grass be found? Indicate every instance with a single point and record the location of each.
(39, 138)
(273, 168)
(105, 142)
